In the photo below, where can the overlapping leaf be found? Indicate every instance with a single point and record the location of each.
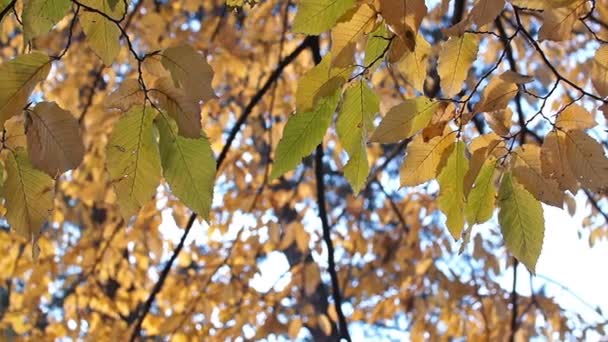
(451, 200)
(455, 60)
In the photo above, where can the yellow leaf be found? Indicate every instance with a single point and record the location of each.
(587, 160)
(500, 121)
(127, 95)
(344, 35)
(599, 73)
(190, 71)
(18, 77)
(527, 169)
(403, 16)
(184, 110)
(414, 65)
(575, 117)
(39, 16)
(554, 161)
(319, 82)
(325, 324)
(405, 119)
(28, 194)
(485, 11)
(423, 158)
(559, 22)
(317, 16)
(497, 94)
(294, 328)
(451, 200)
(102, 35)
(455, 58)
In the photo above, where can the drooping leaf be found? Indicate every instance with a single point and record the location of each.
(423, 158)
(133, 159)
(54, 141)
(28, 193)
(521, 221)
(317, 16)
(190, 71)
(188, 166)
(554, 161)
(405, 119)
(39, 16)
(413, 66)
(482, 197)
(18, 78)
(599, 73)
(127, 95)
(344, 35)
(319, 82)
(587, 160)
(527, 169)
(575, 117)
(355, 121)
(451, 200)
(485, 11)
(455, 60)
(184, 110)
(102, 34)
(302, 133)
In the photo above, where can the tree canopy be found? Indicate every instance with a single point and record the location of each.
(160, 158)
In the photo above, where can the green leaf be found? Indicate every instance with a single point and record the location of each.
(133, 159)
(28, 193)
(39, 16)
(113, 8)
(377, 43)
(319, 82)
(482, 198)
(521, 221)
(18, 78)
(355, 120)
(102, 34)
(302, 133)
(451, 200)
(190, 71)
(405, 119)
(188, 167)
(184, 110)
(317, 16)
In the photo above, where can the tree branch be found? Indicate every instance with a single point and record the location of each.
(234, 131)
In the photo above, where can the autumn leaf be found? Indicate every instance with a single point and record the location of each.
(527, 169)
(102, 35)
(497, 94)
(455, 59)
(317, 16)
(54, 140)
(190, 71)
(39, 16)
(554, 161)
(405, 120)
(28, 193)
(302, 133)
(575, 117)
(319, 82)
(188, 166)
(599, 73)
(414, 65)
(344, 35)
(133, 159)
(404, 17)
(128, 94)
(184, 110)
(423, 158)
(482, 197)
(355, 121)
(587, 160)
(485, 11)
(18, 78)
(451, 199)
(521, 221)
